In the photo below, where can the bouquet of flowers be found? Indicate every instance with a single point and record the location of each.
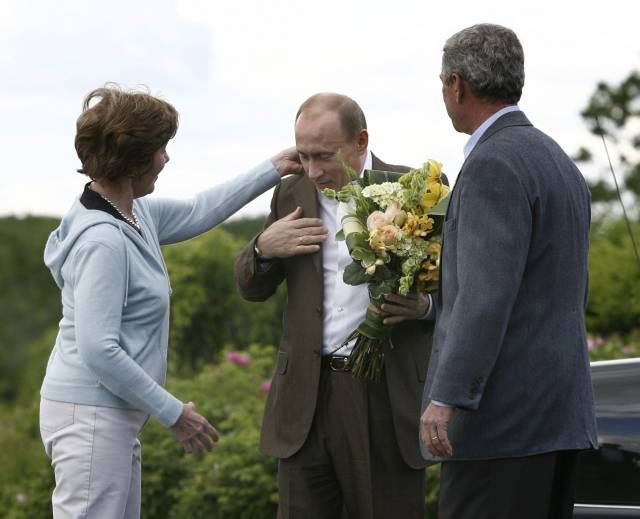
(392, 227)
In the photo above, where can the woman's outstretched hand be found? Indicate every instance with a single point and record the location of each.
(194, 431)
(287, 162)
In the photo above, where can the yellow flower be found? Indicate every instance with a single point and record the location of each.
(434, 248)
(435, 170)
(435, 190)
(417, 225)
(429, 271)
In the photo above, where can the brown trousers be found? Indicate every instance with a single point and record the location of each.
(350, 466)
(532, 487)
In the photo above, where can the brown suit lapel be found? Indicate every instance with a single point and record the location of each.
(306, 196)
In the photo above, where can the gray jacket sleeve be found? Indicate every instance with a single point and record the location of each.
(490, 240)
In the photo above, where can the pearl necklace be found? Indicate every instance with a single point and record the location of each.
(133, 221)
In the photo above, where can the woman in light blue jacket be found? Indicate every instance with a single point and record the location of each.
(106, 372)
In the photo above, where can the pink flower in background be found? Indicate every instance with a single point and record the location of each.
(595, 343)
(239, 359)
(627, 350)
(21, 498)
(266, 386)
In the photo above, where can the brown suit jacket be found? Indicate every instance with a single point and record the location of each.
(292, 399)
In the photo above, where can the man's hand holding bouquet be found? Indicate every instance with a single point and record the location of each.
(392, 227)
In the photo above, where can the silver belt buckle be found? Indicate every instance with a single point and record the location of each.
(338, 363)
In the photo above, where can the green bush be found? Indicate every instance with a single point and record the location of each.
(30, 301)
(614, 280)
(235, 480)
(207, 313)
(26, 478)
(614, 346)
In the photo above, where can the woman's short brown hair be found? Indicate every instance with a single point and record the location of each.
(118, 135)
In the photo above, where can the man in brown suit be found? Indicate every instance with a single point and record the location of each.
(344, 444)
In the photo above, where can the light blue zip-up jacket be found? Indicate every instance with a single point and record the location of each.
(111, 348)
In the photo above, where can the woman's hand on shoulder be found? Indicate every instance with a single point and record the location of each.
(287, 162)
(194, 431)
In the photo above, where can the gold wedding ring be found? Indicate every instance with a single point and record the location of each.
(434, 437)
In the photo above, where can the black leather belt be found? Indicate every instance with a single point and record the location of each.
(335, 363)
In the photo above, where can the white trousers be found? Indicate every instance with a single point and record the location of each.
(96, 458)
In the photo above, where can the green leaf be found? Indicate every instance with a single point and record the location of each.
(330, 193)
(440, 209)
(377, 291)
(376, 176)
(358, 240)
(354, 274)
(364, 255)
(339, 236)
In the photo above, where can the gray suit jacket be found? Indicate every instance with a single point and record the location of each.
(509, 347)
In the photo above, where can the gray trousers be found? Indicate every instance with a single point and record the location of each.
(95, 454)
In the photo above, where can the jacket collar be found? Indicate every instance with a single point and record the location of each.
(516, 118)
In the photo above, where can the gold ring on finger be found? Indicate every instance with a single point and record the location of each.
(435, 438)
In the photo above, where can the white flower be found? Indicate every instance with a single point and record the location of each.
(385, 193)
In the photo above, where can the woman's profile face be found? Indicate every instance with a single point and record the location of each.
(146, 183)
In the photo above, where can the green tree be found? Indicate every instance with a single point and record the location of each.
(30, 301)
(244, 228)
(614, 111)
(207, 311)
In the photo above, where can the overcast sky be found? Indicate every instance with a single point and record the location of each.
(237, 71)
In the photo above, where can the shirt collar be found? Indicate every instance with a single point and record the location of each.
(368, 162)
(477, 135)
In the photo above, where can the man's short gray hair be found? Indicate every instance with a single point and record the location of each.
(490, 58)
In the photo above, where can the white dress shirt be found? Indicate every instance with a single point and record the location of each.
(344, 305)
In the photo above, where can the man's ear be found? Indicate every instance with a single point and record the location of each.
(362, 141)
(459, 86)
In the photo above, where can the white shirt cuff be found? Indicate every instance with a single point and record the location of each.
(430, 315)
(440, 404)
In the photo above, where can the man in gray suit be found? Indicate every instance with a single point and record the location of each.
(508, 400)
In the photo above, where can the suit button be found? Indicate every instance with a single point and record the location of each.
(316, 353)
(319, 310)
